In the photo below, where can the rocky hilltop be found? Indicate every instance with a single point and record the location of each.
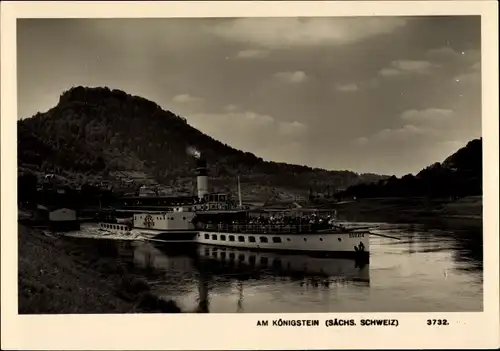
(99, 134)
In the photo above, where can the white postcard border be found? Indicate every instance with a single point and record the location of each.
(239, 331)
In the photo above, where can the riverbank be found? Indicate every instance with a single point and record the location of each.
(466, 211)
(59, 276)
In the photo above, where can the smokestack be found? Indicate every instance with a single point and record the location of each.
(201, 177)
(201, 171)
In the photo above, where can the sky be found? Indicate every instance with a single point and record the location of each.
(386, 95)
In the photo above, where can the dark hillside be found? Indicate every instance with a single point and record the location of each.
(458, 176)
(96, 134)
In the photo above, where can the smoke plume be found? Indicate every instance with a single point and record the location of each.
(191, 151)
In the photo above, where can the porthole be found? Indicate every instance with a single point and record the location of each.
(305, 239)
(320, 239)
(339, 239)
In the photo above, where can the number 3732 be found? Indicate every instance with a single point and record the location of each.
(437, 322)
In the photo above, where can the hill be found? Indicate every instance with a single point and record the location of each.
(98, 134)
(457, 176)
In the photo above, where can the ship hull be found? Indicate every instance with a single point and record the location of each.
(342, 245)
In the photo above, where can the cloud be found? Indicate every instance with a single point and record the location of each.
(231, 108)
(447, 54)
(247, 130)
(401, 133)
(429, 122)
(430, 115)
(292, 129)
(283, 32)
(291, 77)
(252, 53)
(347, 88)
(248, 121)
(361, 141)
(186, 99)
(401, 67)
(443, 52)
(391, 135)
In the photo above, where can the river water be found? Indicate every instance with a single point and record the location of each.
(426, 270)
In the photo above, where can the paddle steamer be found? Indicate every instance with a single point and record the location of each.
(213, 219)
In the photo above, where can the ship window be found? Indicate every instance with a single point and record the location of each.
(263, 260)
(207, 236)
(241, 239)
(223, 237)
(287, 239)
(305, 239)
(214, 237)
(320, 239)
(340, 239)
(231, 256)
(263, 239)
(276, 239)
(231, 237)
(183, 218)
(251, 259)
(251, 239)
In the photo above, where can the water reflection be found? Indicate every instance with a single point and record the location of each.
(210, 267)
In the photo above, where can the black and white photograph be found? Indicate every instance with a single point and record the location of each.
(250, 164)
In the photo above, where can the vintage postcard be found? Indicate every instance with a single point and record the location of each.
(249, 175)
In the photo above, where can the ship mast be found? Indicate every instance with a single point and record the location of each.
(239, 193)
